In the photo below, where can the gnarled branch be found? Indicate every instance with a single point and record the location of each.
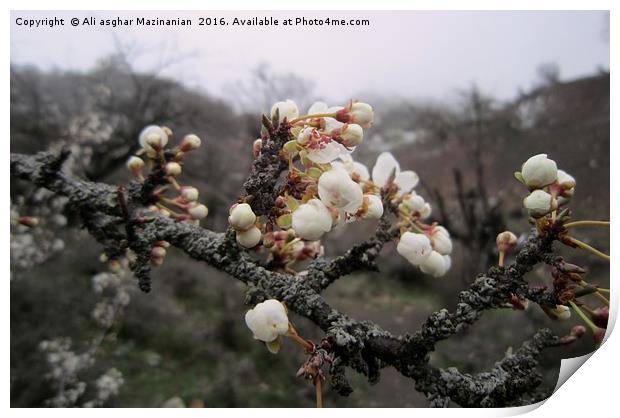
(361, 345)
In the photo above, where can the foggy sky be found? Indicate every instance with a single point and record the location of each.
(406, 54)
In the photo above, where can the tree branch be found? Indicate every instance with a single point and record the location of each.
(361, 345)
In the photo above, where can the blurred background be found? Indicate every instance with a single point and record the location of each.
(462, 98)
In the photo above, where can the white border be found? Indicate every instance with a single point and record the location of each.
(590, 392)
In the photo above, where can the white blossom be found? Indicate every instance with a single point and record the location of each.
(287, 109)
(173, 169)
(426, 211)
(362, 114)
(566, 180)
(406, 181)
(135, 164)
(436, 264)
(325, 152)
(267, 321)
(506, 240)
(249, 238)
(414, 202)
(374, 207)
(190, 142)
(336, 189)
(440, 237)
(539, 203)
(241, 216)
(358, 112)
(354, 168)
(153, 137)
(189, 193)
(539, 171)
(561, 312)
(311, 220)
(385, 165)
(416, 248)
(352, 135)
(198, 211)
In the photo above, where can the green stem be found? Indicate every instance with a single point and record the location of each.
(602, 298)
(586, 223)
(583, 316)
(316, 115)
(586, 247)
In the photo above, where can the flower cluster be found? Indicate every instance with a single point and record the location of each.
(549, 187)
(268, 321)
(166, 165)
(325, 187)
(243, 220)
(324, 191)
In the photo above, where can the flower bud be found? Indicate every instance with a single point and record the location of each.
(311, 220)
(190, 142)
(578, 331)
(287, 109)
(359, 113)
(416, 248)
(436, 264)
(352, 135)
(440, 238)
(560, 313)
(426, 211)
(153, 137)
(506, 241)
(599, 335)
(189, 193)
(173, 169)
(374, 207)
(29, 221)
(198, 211)
(566, 180)
(158, 252)
(241, 217)
(413, 202)
(519, 303)
(600, 317)
(257, 147)
(539, 203)
(135, 165)
(280, 202)
(249, 238)
(539, 171)
(566, 183)
(268, 320)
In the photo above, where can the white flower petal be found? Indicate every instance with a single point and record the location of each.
(406, 181)
(416, 248)
(326, 154)
(385, 165)
(318, 107)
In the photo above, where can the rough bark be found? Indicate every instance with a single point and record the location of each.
(117, 218)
